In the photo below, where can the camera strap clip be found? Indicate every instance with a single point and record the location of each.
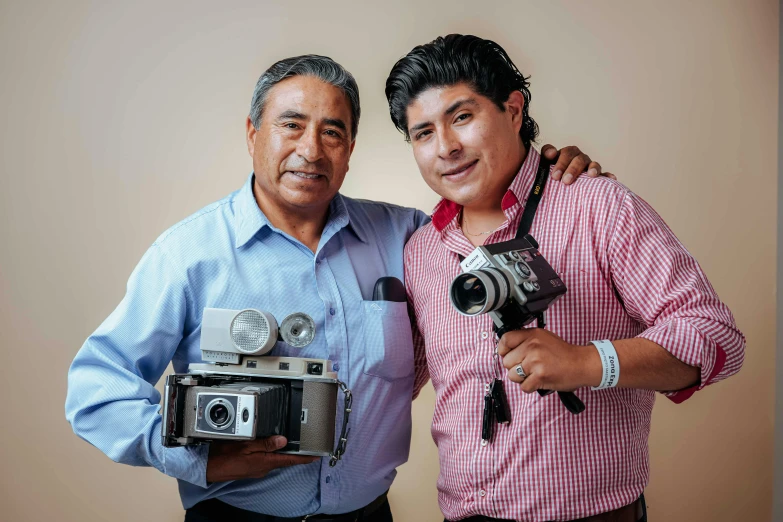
(339, 451)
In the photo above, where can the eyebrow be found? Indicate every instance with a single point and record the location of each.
(451, 110)
(293, 115)
(340, 124)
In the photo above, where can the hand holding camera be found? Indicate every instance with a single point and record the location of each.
(249, 459)
(547, 362)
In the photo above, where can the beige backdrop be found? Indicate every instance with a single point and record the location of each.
(120, 120)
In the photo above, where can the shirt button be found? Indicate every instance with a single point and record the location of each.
(336, 367)
(328, 479)
(484, 335)
(481, 492)
(331, 311)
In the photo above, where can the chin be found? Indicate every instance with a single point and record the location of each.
(307, 199)
(464, 198)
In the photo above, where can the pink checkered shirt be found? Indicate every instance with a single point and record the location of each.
(627, 276)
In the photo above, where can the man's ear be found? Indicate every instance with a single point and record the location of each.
(251, 136)
(350, 153)
(514, 106)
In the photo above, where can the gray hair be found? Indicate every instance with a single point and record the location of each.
(321, 67)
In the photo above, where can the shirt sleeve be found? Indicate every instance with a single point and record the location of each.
(663, 287)
(112, 402)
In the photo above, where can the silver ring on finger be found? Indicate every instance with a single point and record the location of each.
(520, 371)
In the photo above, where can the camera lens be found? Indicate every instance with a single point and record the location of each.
(470, 294)
(219, 414)
(479, 292)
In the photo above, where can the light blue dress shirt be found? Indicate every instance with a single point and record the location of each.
(228, 255)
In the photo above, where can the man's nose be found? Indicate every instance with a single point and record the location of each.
(309, 146)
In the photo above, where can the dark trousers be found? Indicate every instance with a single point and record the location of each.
(214, 510)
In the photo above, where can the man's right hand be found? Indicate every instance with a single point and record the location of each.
(236, 460)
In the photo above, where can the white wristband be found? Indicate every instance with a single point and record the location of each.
(611, 373)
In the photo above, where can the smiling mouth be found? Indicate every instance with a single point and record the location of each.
(459, 170)
(305, 175)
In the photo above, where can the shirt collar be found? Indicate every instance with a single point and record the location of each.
(447, 211)
(249, 219)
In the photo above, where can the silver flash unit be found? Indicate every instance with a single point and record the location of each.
(241, 394)
(226, 335)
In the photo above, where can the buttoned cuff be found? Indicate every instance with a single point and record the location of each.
(690, 346)
(188, 463)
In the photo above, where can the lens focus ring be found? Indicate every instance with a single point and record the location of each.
(479, 291)
(219, 414)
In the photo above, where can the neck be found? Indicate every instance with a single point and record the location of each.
(486, 213)
(303, 224)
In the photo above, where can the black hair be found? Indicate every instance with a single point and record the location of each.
(458, 58)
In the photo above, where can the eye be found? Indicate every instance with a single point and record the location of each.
(333, 133)
(423, 134)
(462, 117)
(291, 125)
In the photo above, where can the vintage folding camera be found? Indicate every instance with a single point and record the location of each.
(243, 394)
(511, 281)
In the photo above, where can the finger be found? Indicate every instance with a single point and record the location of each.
(610, 175)
(575, 168)
(514, 376)
(265, 445)
(512, 340)
(564, 159)
(514, 357)
(594, 169)
(549, 151)
(279, 460)
(531, 384)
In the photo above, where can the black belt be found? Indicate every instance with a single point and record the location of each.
(636, 511)
(214, 509)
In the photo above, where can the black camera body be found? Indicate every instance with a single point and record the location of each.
(511, 281)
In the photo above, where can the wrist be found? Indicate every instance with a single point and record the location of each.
(592, 366)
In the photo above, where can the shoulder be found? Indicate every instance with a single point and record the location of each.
(385, 217)
(598, 199)
(601, 188)
(371, 208)
(423, 237)
(204, 227)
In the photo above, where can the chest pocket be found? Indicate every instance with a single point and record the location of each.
(388, 345)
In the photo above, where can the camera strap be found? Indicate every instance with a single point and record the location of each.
(534, 198)
(340, 449)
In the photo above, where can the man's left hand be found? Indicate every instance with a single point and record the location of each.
(548, 362)
(571, 163)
